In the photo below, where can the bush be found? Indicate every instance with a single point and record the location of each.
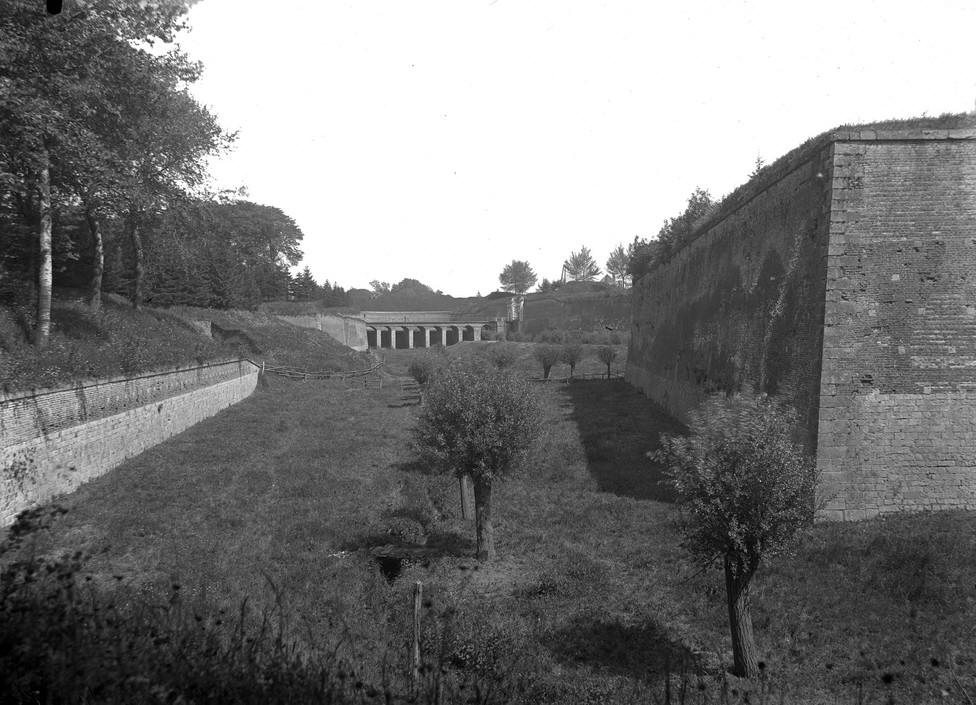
(422, 369)
(503, 355)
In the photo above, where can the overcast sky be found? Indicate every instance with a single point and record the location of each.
(441, 140)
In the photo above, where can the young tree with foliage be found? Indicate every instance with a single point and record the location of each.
(746, 489)
(571, 354)
(478, 422)
(517, 277)
(617, 265)
(607, 354)
(581, 266)
(547, 355)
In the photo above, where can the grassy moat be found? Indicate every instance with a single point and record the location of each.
(285, 500)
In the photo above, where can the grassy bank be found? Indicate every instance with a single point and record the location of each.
(119, 340)
(282, 498)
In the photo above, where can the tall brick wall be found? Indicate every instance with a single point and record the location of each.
(742, 306)
(845, 281)
(52, 441)
(898, 398)
(348, 330)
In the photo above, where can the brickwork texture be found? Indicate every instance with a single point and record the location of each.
(51, 441)
(844, 281)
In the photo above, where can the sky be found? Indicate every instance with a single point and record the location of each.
(441, 140)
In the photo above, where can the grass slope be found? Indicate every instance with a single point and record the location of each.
(120, 340)
(280, 498)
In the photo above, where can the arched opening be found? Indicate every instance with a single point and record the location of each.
(371, 342)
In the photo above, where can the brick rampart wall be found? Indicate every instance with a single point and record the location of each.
(741, 307)
(898, 398)
(844, 281)
(59, 439)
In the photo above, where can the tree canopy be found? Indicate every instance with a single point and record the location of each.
(517, 277)
(581, 266)
(746, 489)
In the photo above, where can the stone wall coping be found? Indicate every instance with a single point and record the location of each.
(87, 382)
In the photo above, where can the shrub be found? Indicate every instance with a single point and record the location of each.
(548, 355)
(422, 369)
(746, 489)
(503, 355)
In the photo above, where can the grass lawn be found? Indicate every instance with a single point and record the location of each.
(280, 499)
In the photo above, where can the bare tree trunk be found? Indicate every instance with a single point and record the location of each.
(467, 498)
(98, 261)
(485, 530)
(45, 271)
(135, 236)
(745, 659)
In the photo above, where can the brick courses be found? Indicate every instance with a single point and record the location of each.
(845, 281)
(51, 441)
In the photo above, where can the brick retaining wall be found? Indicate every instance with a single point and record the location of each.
(51, 441)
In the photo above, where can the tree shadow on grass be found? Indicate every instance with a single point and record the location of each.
(641, 651)
(619, 426)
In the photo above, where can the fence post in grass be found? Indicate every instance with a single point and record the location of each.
(418, 593)
(467, 497)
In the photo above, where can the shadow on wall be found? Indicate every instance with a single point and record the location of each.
(618, 426)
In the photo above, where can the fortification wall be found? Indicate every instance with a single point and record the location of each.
(51, 441)
(898, 396)
(348, 330)
(742, 306)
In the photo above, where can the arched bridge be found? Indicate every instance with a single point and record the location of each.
(421, 329)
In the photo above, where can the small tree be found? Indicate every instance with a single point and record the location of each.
(548, 355)
(479, 423)
(517, 277)
(607, 354)
(746, 489)
(581, 266)
(571, 354)
(617, 265)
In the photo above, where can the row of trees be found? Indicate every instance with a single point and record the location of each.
(625, 265)
(518, 276)
(745, 486)
(103, 156)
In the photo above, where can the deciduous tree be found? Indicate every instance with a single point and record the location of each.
(478, 422)
(547, 355)
(571, 354)
(517, 277)
(746, 489)
(607, 354)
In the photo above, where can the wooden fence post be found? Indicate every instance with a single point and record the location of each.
(467, 497)
(418, 593)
